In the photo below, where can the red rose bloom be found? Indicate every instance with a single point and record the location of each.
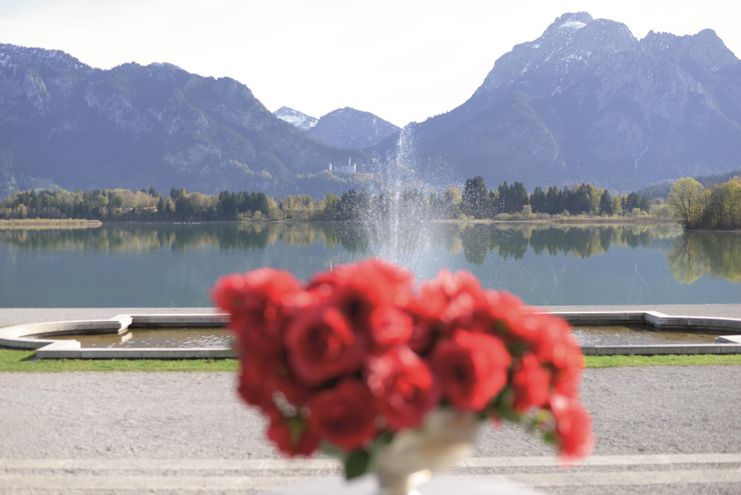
(460, 292)
(252, 387)
(254, 302)
(261, 376)
(423, 334)
(504, 312)
(573, 428)
(550, 339)
(321, 345)
(278, 377)
(228, 293)
(358, 290)
(453, 284)
(531, 383)
(294, 440)
(403, 386)
(375, 281)
(395, 282)
(426, 326)
(555, 343)
(388, 327)
(522, 323)
(344, 415)
(443, 304)
(565, 382)
(472, 368)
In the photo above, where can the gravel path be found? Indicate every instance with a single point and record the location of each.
(96, 417)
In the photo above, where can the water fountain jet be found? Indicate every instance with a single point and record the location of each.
(398, 220)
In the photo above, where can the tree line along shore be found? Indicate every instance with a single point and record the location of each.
(695, 206)
(699, 207)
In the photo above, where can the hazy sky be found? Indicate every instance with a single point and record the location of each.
(401, 59)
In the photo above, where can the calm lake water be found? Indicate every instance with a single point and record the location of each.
(176, 264)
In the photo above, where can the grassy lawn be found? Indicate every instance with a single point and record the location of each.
(663, 360)
(12, 360)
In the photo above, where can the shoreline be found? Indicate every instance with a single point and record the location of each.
(563, 221)
(49, 224)
(31, 222)
(713, 231)
(555, 221)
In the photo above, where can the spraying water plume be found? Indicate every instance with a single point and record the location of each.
(398, 223)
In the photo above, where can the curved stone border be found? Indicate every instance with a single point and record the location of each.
(40, 335)
(23, 336)
(26, 337)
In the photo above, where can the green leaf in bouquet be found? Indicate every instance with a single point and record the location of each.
(296, 425)
(543, 417)
(542, 420)
(518, 348)
(357, 463)
(385, 438)
(549, 437)
(508, 414)
(501, 406)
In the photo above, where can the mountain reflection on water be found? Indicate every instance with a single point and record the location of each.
(546, 264)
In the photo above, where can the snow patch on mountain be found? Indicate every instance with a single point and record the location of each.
(295, 118)
(572, 25)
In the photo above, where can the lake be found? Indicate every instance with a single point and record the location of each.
(135, 264)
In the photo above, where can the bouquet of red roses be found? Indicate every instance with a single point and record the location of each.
(357, 355)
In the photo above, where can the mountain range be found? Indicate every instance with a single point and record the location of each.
(586, 101)
(65, 124)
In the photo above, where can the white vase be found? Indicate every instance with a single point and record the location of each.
(445, 438)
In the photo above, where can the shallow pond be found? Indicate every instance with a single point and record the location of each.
(218, 337)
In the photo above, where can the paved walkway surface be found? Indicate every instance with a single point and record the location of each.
(12, 316)
(660, 430)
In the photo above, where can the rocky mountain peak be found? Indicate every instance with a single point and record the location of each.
(579, 30)
(349, 128)
(35, 57)
(705, 48)
(569, 45)
(154, 71)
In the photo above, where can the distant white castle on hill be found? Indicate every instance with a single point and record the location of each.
(350, 168)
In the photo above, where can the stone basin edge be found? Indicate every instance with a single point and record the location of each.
(39, 336)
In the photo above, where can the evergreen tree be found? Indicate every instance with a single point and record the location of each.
(605, 204)
(538, 200)
(473, 202)
(554, 201)
(518, 197)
